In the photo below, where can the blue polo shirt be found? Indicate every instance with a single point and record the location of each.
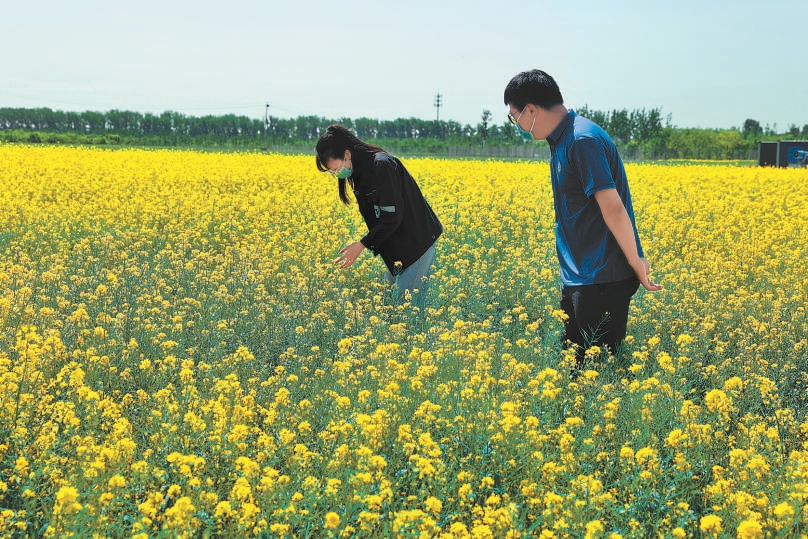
(584, 160)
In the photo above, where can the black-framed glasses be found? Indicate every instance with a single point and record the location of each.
(513, 120)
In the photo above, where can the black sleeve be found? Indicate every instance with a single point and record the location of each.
(387, 202)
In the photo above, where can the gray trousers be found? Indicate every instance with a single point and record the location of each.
(415, 277)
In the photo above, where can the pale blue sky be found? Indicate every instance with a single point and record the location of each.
(704, 63)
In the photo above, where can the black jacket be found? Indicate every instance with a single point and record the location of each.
(401, 224)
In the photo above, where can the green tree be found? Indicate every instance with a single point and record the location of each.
(94, 122)
(751, 128)
(367, 128)
(482, 127)
(620, 126)
(729, 141)
(646, 125)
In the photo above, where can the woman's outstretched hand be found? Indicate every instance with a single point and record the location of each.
(349, 254)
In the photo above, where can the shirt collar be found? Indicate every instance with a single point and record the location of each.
(562, 128)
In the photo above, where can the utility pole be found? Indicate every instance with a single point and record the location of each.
(266, 128)
(438, 104)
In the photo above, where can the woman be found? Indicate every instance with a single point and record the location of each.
(402, 227)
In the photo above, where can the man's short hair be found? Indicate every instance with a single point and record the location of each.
(534, 87)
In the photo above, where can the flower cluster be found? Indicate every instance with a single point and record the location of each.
(179, 357)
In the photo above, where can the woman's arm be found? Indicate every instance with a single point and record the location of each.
(388, 174)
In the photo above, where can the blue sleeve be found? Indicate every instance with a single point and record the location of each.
(589, 157)
(595, 172)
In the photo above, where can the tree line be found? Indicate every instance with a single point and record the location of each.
(640, 133)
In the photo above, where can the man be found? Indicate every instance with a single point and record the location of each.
(598, 247)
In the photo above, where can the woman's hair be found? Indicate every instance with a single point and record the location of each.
(534, 87)
(332, 145)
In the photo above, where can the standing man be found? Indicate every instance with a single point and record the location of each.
(598, 247)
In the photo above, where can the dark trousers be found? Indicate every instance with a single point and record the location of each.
(597, 314)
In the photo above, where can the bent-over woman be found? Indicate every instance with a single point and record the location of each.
(402, 228)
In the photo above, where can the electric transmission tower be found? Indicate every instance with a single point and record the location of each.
(266, 127)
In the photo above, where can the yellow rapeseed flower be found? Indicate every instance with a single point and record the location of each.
(332, 519)
(67, 495)
(177, 335)
(750, 529)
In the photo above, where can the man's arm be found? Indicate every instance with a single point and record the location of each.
(616, 217)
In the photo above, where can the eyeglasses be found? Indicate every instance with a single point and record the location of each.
(513, 120)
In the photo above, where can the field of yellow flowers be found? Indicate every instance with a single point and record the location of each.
(180, 357)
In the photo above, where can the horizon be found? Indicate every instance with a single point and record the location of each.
(766, 127)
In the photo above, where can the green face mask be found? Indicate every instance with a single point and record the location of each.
(344, 173)
(527, 135)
